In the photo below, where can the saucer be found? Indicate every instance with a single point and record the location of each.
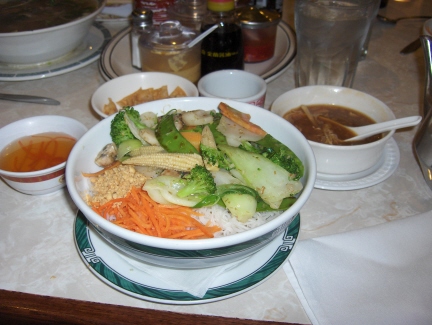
(115, 60)
(372, 176)
(111, 266)
(87, 52)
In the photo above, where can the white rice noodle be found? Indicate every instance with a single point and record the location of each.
(217, 215)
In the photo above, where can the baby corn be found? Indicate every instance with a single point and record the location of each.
(145, 150)
(182, 162)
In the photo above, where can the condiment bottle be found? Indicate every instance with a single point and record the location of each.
(166, 49)
(223, 48)
(159, 8)
(142, 22)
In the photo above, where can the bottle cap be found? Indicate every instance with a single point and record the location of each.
(220, 5)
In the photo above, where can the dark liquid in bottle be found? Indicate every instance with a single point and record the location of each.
(222, 49)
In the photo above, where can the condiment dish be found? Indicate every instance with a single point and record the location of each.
(338, 159)
(120, 87)
(46, 180)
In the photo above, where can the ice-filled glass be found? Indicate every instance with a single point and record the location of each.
(330, 36)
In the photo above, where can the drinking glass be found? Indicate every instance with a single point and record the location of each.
(330, 37)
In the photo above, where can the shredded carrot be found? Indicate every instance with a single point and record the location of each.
(113, 165)
(138, 212)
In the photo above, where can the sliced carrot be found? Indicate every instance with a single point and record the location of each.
(193, 137)
(138, 212)
(240, 118)
(113, 165)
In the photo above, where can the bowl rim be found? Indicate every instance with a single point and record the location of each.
(338, 89)
(198, 244)
(58, 27)
(136, 75)
(45, 171)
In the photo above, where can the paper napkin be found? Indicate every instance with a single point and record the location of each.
(377, 275)
(193, 281)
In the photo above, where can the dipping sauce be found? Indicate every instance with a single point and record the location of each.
(36, 152)
(19, 16)
(315, 123)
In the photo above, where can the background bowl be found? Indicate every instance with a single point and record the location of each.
(188, 253)
(332, 159)
(123, 86)
(42, 45)
(238, 85)
(42, 181)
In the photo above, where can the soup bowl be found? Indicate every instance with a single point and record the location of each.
(46, 180)
(45, 44)
(186, 253)
(335, 159)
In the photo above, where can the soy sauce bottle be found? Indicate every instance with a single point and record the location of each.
(223, 48)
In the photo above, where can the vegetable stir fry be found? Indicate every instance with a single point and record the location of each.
(203, 158)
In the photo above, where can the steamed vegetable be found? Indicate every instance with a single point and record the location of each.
(272, 182)
(199, 183)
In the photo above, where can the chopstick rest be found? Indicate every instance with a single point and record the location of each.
(376, 275)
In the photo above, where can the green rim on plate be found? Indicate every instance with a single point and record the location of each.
(84, 234)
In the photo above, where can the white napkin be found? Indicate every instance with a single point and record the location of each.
(377, 275)
(193, 281)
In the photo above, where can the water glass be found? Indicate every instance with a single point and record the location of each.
(330, 36)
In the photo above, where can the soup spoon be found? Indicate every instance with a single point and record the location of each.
(376, 128)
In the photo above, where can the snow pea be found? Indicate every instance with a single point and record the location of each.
(170, 138)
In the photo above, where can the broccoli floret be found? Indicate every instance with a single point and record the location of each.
(135, 117)
(215, 157)
(119, 129)
(199, 183)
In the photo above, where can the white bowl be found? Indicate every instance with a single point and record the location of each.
(237, 85)
(120, 87)
(42, 45)
(179, 253)
(332, 159)
(42, 181)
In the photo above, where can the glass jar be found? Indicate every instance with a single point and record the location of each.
(165, 50)
(259, 27)
(189, 13)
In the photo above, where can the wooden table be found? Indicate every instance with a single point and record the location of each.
(43, 279)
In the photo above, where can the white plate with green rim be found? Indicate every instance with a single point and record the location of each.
(106, 263)
(116, 61)
(87, 52)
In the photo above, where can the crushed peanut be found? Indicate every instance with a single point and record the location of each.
(115, 183)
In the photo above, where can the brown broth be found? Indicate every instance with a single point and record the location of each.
(36, 152)
(19, 15)
(325, 131)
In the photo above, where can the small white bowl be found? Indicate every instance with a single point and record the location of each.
(42, 181)
(120, 87)
(238, 85)
(42, 45)
(332, 159)
(179, 253)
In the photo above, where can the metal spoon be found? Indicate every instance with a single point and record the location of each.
(395, 20)
(372, 129)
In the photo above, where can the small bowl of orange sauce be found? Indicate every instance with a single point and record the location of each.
(34, 150)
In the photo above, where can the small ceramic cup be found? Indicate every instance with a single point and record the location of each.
(237, 85)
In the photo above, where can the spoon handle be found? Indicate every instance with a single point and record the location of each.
(384, 127)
